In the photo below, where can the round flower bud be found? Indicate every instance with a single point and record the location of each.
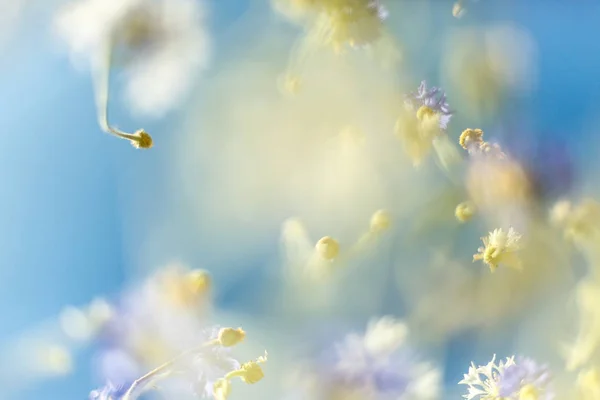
(198, 281)
(143, 140)
(470, 137)
(380, 221)
(560, 212)
(464, 211)
(328, 248)
(229, 337)
(251, 372)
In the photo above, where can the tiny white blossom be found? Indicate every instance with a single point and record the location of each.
(499, 248)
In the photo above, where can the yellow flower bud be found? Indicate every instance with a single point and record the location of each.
(380, 221)
(229, 337)
(250, 372)
(328, 248)
(141, 140)
(198, 281)
(221, 389)
(464, 211)
(470, 136)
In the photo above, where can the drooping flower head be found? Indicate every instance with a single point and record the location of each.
(508, 380)
(379, 363)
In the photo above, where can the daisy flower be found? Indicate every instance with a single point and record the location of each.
(499, 248)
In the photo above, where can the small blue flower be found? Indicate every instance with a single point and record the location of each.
(433, 98)
(525, 373)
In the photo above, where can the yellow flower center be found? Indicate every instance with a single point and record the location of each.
(424, 112)
(528, 392)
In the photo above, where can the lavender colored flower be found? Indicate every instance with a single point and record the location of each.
(508, 380)
(525, 376)
(379, 365)
(434, 99)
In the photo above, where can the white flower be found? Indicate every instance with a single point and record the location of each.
(160, 43)
(483, 380)
(499, 247)
(385, 335)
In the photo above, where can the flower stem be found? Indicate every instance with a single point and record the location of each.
(143, 381)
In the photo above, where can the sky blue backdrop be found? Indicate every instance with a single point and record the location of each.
(60, 214)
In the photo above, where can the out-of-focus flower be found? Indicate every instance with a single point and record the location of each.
(55, 360)
(423, 120)
(510, 380)
(187, 288)
(338, 23)
(381, 221)
(465, 211)
(483, 66)
(458, 9)
(581, 223)
(499, 248)
(160, 44)
(84, 323)
(525, 380)
(494, 181)
(380, 364)
(588, 384)
(163, 323)
(588, 337)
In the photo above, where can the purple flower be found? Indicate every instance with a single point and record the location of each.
(525, 373)
(379, 364)
(433, 98)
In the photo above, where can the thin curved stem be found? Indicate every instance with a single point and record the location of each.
(102, 91)
(140, 383)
